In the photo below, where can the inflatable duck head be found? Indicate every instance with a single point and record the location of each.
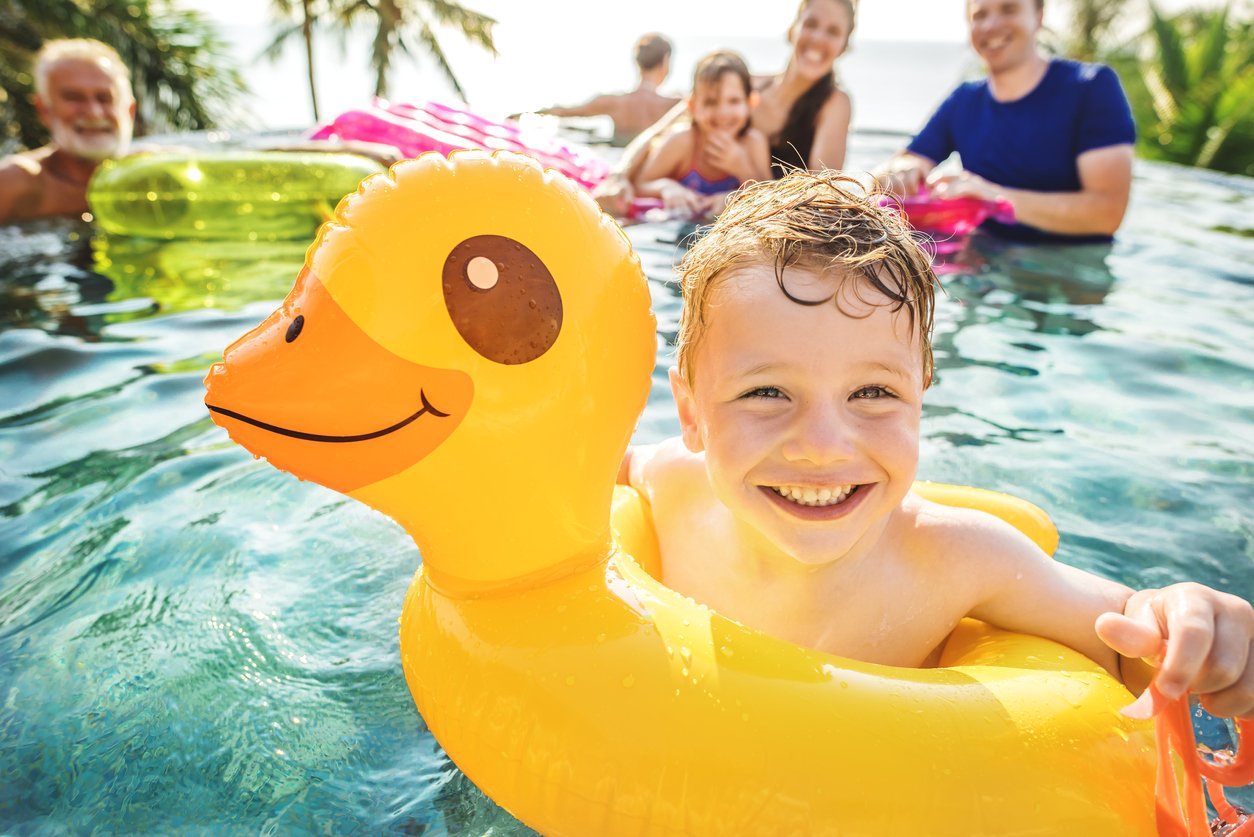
(469, 343)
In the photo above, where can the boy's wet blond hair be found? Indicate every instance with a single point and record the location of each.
(819, 221)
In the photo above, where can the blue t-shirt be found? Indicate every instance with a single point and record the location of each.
(1032, 142)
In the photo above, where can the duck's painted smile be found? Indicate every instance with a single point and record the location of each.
(320, 437)
(308, 381)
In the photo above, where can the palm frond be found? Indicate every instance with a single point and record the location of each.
(1172, 67)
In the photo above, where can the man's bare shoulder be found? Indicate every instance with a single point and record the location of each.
(25, 165)
(21, 179)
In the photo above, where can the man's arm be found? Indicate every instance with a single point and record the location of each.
(603, 105)
(1097, 209)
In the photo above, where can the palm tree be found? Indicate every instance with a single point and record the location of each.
(1198, 77)
(304, 24)
(182, 77)
(399, 23)
(1089, 29)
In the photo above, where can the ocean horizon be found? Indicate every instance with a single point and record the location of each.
(894, 85)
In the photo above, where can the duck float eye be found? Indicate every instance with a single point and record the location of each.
(502, 298)
(293, 331)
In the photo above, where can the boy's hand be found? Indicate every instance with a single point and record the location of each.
(1200, 640)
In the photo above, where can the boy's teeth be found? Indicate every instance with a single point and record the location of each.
(809, 496)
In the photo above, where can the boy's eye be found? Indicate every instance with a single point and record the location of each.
(764, 392)
(874, 392)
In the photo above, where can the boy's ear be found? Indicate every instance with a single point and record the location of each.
(686, 405)
(754, 98)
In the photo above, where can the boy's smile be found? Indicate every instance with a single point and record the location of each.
(808, 414)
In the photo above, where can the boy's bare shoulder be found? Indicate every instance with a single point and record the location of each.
(664, 465)
(967, 537)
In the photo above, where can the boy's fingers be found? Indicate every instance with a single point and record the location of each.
(1190, 634)
(1149, 704)
(1130, 637)
(1236, 700)
(1229, 657)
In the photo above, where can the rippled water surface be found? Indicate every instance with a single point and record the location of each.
(191, 640)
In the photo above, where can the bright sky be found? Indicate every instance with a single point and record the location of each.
(564, 51)
(900, 20)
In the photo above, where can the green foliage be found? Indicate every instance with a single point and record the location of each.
(182, 77)
(1191, 85)
(1089, 27)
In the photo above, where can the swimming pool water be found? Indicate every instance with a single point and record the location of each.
(191, 641)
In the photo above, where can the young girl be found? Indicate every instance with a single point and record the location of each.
(695, 168)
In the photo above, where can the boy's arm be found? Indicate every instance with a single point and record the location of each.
(1203, 637)
(1019, 588)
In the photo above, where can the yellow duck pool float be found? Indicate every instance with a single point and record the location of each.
(467, 350)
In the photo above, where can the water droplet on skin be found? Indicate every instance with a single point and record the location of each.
(725, 650)
(570, 680)
(629, 681)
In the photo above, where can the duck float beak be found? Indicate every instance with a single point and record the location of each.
(311, 392)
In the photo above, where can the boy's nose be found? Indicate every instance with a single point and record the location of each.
(821, 435)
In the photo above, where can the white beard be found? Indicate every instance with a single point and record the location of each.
(94, 145)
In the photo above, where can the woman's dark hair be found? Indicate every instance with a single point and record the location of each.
(796, 138)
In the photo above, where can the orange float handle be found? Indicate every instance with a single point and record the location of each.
(1187, 817)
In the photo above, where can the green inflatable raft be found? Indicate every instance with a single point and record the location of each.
(235, 195)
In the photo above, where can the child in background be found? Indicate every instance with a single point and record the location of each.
(695, 168)
(804, 351)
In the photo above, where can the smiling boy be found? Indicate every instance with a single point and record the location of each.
(803, 355)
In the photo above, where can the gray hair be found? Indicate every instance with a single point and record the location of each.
(80, 49)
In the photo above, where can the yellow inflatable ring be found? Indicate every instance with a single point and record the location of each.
(467, 350)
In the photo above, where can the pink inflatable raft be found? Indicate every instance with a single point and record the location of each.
(949, 221)
(414, 129)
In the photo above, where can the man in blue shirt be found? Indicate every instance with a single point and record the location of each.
(1052, 136)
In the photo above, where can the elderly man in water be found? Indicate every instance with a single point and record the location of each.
(83, 94)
